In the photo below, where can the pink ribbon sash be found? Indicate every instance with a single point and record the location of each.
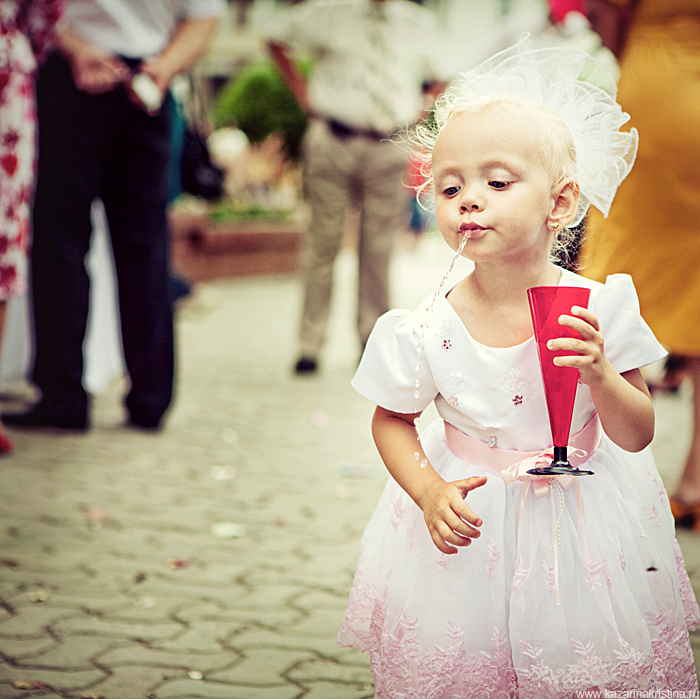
(512, 464)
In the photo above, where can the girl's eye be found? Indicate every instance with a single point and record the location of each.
(498, 184)
(451, 191)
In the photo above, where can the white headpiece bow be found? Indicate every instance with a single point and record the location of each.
(579, 88)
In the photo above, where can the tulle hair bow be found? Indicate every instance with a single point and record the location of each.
(579, 88)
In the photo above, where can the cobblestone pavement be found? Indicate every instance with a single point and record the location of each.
(212, 560)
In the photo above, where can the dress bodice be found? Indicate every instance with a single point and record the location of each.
(492, 394)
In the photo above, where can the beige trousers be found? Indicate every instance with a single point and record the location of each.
(338, 173)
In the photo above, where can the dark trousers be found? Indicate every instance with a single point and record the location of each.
(100, 146)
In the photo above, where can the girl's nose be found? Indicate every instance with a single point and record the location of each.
(470, 201)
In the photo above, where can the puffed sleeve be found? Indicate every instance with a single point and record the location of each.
(392, 365)
(629, 342)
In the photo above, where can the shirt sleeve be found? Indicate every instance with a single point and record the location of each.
(393, 373)
(629, 342)
(294, 26)
(198, 9)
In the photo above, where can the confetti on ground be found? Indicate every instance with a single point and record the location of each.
(358, 470)
(31, 684)
(223, 473)
(95, 514)
(175, 563)
(342, 492)
(229, 435)
(148, 602)
(227, 530)
(39, 595)
(319, 418)
(195, 675)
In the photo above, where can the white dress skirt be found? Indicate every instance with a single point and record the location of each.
(571, 585)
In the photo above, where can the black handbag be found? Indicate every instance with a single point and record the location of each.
(200, 176)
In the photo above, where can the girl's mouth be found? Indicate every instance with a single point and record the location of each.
(471, 230)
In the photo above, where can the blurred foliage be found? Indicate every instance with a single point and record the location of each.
(230, 211)
(258, 102)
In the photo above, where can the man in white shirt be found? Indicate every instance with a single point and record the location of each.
(374, 62)
(104, 133)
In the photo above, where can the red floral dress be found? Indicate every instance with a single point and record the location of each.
(26, 26)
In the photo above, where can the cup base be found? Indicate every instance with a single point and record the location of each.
(559, 468)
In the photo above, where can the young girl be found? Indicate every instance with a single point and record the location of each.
(477, 579)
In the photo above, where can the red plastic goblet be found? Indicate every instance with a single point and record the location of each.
(547, 304)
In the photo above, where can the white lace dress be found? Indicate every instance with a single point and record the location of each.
(571, 589)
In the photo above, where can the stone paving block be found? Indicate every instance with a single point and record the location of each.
(262, 667)
(7, 691)
(320, 622)
(157, 630)
(20, 649)
(271, 618)
(138, 654)
(197, 610)
(204, 637)
(29, 622)
(325, 646)
(72, 653)
(269, 597)
(196, 689)
(56, 679)
(330, 671)
(133, 682)
(328, 690)
(318, 599)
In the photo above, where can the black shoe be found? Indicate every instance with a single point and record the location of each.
(39, 418)
(306, 366)
(148, 425)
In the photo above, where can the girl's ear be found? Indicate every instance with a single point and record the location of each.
(565, 204)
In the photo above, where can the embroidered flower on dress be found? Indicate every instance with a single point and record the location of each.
(446, 344)
(642, 533)
(494, 554)
(652, 513)
(453, 401)
(443, 561)
(549, 572)
(519, 573)
(513, 385)
(597, 574)
(399, 510)
(658, 485)
(623, 563)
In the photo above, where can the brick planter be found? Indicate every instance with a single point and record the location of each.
(202, 249)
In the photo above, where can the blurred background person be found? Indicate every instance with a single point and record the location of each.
(651, 232)
(26, 28)
(375, 62)
(103, 133)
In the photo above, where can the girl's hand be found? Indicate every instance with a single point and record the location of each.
(451, 522)
(590, 358)
(622, 400)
